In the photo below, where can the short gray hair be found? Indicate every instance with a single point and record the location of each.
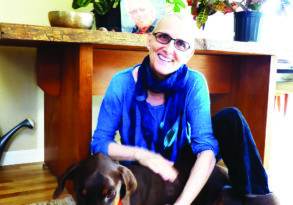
(186, 19)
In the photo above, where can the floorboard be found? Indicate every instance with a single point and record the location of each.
(26, 183)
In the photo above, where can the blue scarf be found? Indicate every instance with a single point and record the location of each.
(173, 126)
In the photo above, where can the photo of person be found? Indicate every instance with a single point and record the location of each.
(140, 16)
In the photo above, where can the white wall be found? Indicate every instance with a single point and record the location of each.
(219, 26)
(20, 97)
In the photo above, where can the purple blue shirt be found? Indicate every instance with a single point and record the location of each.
(115, 115)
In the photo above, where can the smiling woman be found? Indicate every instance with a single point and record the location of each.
(162, 111)
(151, 103)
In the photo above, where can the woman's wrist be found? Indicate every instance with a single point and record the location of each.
(125, 152)
(138, 153)
(181, 201)
(142, 154)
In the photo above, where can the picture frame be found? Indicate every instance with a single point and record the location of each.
(141, 16)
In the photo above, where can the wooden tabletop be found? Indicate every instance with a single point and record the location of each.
(32, 35)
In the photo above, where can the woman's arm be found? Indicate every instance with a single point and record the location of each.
(199, 175)
(154, 161)
(203, 142)
(122, 152)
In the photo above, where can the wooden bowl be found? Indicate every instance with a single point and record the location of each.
(71, 19)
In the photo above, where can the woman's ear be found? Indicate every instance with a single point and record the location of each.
(148, 40)
(191, 53)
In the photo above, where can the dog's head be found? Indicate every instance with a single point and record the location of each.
(98, 180)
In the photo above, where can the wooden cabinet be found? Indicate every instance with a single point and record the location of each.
(74, 64)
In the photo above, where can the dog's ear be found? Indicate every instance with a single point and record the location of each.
(68, 174)
(129, 181)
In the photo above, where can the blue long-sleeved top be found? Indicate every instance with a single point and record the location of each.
(115, 114)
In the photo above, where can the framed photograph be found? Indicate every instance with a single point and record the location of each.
(140, 16)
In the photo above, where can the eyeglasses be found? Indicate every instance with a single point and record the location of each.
(165, 38)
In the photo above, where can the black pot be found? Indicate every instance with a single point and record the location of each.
(246, 25)
(111, 20)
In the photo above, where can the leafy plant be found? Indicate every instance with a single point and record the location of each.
(178, 4)
(101, 7)
(208, 7)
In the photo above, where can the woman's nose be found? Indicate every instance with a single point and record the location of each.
(170, 47)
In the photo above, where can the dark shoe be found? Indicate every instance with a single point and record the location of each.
(267, 199)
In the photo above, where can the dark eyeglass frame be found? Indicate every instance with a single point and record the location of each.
(157, 34)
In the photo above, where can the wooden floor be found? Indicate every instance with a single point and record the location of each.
(25, 184)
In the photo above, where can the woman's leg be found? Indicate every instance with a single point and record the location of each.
(240, 153)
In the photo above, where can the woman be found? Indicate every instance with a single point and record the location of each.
(161, 108)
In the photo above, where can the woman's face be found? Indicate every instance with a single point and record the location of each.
(166, 58)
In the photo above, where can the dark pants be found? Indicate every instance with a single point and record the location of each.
(239, 152)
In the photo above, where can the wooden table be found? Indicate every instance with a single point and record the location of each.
(74, 64)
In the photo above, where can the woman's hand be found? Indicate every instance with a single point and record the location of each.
(178, 203)
(156, 163)
(199, 175)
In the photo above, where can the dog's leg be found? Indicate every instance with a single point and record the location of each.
(69, 173)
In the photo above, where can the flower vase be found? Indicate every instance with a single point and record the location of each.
(246, 25)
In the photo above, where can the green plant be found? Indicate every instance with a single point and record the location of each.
(208, 7)
(100, 7)
(178, 4)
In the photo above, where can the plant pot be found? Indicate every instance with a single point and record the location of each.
(111, 20)
(246, 24)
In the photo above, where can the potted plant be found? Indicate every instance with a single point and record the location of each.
(107, 12)
(243, 10)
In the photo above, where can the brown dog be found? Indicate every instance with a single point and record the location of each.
(99, 180)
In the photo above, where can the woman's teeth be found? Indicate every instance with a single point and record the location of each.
(163, 58)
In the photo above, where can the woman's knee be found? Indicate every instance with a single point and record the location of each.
(229, 124)
(228, 115)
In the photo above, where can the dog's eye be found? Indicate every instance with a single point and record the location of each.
(110, 194)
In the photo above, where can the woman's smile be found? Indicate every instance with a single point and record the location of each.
(165, 58)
